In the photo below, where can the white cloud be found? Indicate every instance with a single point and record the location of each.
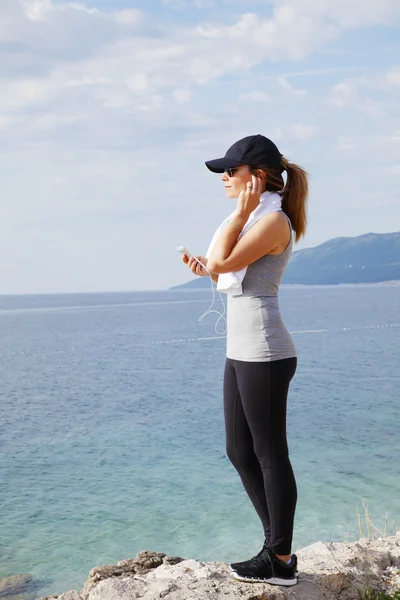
(256, 96)
(393, 77)
(181, 95)
(346, 143)
(180, 4)
(303, 131)
(106, 116)
(129, 17)
(394, 138)
(393, 170)
(36, 9)
(15, 95)
(203, 3)
(347, 95)
(383, 80)
(372, 108)
(343, 94)
(283, 83)
(176, 4)
(128, 62)
(296, 29)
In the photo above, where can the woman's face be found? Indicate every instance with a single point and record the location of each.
(235, 184)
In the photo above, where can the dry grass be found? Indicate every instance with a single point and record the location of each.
(368, 592)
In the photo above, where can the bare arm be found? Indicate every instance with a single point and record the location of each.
(229, 255)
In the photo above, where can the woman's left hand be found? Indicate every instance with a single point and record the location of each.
(249, 197)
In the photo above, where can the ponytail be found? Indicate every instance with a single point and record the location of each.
(294, 194)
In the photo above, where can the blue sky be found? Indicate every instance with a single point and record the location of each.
(108, 111)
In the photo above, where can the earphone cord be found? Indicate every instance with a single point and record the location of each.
(208, 311)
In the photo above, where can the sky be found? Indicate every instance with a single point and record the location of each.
(109, 109)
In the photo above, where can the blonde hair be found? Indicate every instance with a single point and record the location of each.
(294, 194)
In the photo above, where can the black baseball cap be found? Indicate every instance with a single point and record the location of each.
(250, 150)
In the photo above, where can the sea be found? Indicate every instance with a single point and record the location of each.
(112, 432)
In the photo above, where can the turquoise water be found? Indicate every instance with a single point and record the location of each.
(112, 433)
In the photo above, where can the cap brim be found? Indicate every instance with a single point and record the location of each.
(220, 164)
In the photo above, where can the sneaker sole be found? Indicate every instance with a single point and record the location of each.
(271, 580)
(234, 570)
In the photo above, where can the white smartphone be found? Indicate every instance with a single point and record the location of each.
(184, 250)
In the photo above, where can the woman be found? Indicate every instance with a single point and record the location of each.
(261, 357)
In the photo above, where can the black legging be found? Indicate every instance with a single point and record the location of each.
(255, 397)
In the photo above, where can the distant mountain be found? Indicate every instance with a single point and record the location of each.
(368, 258)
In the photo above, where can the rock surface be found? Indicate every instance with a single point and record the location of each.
(327, 571)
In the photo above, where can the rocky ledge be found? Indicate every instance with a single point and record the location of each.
(326, 571)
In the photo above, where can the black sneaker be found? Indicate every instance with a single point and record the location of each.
(245, 563)
(267, 568)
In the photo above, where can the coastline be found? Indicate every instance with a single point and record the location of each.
(326, 571)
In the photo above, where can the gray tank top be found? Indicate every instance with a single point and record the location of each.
(255, 330)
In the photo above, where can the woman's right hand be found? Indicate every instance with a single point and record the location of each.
(194, 266)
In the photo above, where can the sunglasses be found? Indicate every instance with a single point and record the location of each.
(230, 171)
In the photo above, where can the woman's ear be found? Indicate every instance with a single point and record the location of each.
(263, 176)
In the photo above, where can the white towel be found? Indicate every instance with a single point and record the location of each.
(231, 283)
